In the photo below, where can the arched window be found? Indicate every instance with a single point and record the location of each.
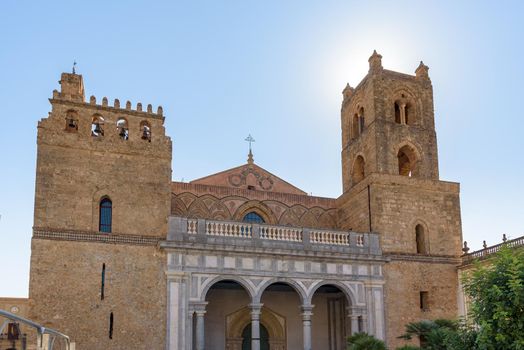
(145, 129)
(253, 217)
(397, 113)
(358, 123)
(97, 126)
(106, 215)
(123, 129)
(407, 162)
(407, 114)
(404, 111)
(71, 121)
(420, 238)
(361, 121)
(358, 170)
(355, 126)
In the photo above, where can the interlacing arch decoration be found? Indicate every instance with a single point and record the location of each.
(273, 213)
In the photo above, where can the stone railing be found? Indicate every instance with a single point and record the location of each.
(243, 234)
(488, 251)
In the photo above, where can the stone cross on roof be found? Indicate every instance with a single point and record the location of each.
(250, 139)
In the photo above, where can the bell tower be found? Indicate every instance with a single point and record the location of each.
(101, 168)
(388, 125)
(391, 187)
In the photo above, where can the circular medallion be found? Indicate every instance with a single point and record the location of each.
(266, 183)
(15, 309)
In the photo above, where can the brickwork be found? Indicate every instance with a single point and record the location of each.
(65, 293)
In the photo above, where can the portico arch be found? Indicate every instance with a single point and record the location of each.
(290, 282)
(348, 293)
(226, 278)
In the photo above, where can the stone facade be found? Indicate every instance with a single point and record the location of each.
(241, 255)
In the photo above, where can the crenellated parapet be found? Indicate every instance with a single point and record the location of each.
(60, 97)
(73, 120)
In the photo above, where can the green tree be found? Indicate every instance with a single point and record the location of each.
(496, 292)
(441, 335)
(364, 341)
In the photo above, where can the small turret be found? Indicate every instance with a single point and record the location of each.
(347, 92)
(375, 62)
(422, 71)
(72, 87)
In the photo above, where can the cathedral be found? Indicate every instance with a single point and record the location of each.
(122, 257)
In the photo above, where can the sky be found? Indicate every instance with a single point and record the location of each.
(275, 70)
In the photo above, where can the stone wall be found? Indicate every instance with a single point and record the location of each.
(405, 279)
(65, 293)
(397, 205)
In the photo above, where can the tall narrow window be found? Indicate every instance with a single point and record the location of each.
(407, 114)
(424, 301)
(420, 239)
(106, 215)
(355, 126)
(358, 170)
(397, 113)
(111, 322)
(361, 120)
(103, 282)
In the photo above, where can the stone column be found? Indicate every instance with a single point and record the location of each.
(255, 325)
(189, 329)
(307, 312)
(353, 314)
(177, 310)
(200, 311)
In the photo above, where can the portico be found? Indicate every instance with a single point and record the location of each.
(305, 288)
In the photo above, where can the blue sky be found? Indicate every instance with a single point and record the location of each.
(274, 69)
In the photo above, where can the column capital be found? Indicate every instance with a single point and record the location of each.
(199, 307)
(255, 307)
(356, 311)
(307, 311)
(175, 276)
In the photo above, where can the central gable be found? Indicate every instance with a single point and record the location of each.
(249, 176)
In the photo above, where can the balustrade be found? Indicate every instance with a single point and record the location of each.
(307, 236)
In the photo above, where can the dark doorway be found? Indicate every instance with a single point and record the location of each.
(246, 338)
